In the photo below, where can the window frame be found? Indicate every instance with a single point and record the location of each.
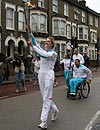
(12, 7)
(83, 17)
(55, 6)
(41, 3)
(59, 27)
(84, 33)
(38, 13)
(66, 9)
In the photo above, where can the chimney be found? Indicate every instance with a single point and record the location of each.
(82, 3)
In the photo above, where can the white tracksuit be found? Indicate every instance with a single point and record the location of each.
(46, 78)
(80, 57)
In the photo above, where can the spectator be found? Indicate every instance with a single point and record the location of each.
(86, 60)
(36, 69)
(19, 72)
(29, 64)
(24, 59)
(6, 70)
(77, 55)
(67, 68)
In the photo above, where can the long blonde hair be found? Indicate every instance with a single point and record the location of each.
(52, 41)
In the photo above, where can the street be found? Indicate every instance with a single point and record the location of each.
(23, 112)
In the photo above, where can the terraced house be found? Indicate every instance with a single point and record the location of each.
(63, 19)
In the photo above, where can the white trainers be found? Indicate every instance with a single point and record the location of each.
(54, 115)
(43, 125)
(72, 94)
(17, 90)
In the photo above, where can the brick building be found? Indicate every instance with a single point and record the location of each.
(62, 19)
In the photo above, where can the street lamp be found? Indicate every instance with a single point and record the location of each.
(97, 50)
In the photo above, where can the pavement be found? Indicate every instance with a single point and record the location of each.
(7, 89)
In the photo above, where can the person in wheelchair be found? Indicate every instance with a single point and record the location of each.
(80, 73)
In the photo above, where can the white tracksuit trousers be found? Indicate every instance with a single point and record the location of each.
(46, 82)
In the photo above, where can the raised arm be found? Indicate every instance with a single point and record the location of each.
(32, 38)
(45, 54)
(38, 49)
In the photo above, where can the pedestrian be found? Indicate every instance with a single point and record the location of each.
(86, 60)
(6, 69)
(56, 69)
(77, 55)
(36, 69)
(29, 63)
(67, 68)
(46, 78)
(1, 72)
(19, 72)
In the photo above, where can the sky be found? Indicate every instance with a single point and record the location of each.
(94, 5)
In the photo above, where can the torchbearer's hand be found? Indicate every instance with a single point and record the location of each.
(28, 28)
(29, 42)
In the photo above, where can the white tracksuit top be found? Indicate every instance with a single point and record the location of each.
(82, 72)
(48, 58)
(66, 63)
(78, 56)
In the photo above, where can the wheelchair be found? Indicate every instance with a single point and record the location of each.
(83, 90)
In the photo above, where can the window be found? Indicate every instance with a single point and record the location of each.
(9, 18)
(96, 22)
(73, 30)
(56, 27)
(92, 54)
(62, 50)
(42, 23)
(39, 22)
(35, 22)
(21, 20)
(80, 33)
(81, 49)
(59, 27)
(63, 26)
(57, 48)
(10, 15)
(41, 3)
(93, 36)
(65, 9)
(91, 20)
(83, 17)
(76, 14)
(83, 33)
(68, 30)
(55, 5)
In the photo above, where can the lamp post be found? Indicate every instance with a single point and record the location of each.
(97, 51)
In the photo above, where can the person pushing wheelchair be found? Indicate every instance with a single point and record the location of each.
(80, 73)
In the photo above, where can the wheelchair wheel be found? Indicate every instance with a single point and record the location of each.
(85, 89)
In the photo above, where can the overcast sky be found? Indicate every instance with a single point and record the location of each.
(94, 5)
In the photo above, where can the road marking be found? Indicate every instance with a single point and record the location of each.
(89, 126)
